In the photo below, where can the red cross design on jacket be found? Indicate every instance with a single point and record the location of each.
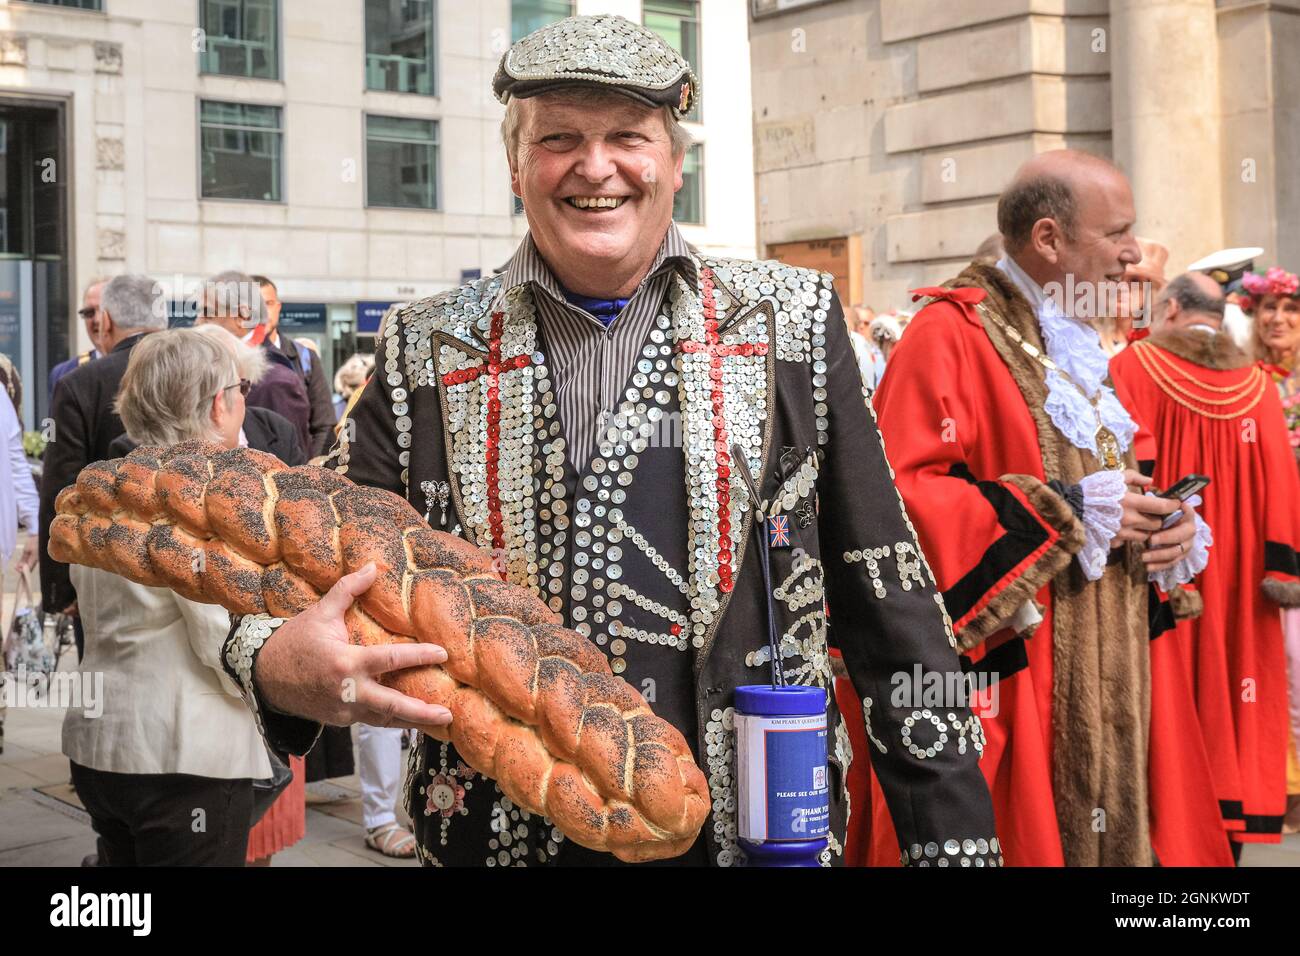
(717, 351)
(493, 369)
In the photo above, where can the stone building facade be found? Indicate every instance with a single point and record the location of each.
(120, 91)
(887, 128)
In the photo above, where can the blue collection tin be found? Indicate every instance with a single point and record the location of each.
(783, 805)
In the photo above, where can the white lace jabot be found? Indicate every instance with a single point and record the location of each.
(1076, 349)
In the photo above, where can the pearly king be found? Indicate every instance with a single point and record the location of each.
(639, 534)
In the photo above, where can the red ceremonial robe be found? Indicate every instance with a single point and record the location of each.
(1213, 412)
(955, 423)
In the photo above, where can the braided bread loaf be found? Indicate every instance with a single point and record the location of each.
(534, 706)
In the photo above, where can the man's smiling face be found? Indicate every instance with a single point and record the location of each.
(597, 177)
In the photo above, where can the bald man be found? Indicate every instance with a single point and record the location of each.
(1212, 411)
(1192, 302)
(1016, 464)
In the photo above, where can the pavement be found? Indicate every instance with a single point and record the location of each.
(42, 822)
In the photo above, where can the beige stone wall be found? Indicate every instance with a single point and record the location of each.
(1259, 69)
(901, 120)
(1165, 118)
(77, 58)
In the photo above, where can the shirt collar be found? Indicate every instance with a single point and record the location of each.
(527, 265)
(1024, 282)
(130, 342)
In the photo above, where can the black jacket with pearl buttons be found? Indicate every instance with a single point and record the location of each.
(632, 550)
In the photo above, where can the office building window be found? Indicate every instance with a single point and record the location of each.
(528, 16)
(517, 205)
(400, 45)
(241, 146)
(240, 38)
(401, 162)
(77, 4)
(678, 22)
(688, 204)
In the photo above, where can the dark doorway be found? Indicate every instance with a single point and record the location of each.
(35, 312)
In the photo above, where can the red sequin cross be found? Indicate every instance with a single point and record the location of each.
(713, 347)
(493, 369)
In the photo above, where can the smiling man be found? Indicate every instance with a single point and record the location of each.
(591, 416)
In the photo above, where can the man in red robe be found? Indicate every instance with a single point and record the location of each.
(1016, 463)
(1214, 412)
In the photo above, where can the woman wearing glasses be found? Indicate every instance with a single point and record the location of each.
(163, 750)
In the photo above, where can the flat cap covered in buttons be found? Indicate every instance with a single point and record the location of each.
(605, 51)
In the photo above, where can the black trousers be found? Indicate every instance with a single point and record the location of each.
(166, 819)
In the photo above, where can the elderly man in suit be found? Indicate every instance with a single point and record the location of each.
(85, 422)
(233, 301)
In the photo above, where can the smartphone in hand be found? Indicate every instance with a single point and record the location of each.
(1181, 490)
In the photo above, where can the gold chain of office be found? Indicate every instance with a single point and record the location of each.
(1108, 451)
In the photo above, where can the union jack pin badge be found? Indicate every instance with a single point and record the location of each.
(778, 531)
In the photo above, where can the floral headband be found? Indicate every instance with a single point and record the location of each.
(1276, 281)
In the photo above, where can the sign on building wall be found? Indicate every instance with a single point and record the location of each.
(369, 315)
(302, 317)
(181, 313)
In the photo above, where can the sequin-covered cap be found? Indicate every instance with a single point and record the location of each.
(604, 50)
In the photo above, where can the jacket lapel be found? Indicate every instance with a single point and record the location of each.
(488, 375)
(727, 371)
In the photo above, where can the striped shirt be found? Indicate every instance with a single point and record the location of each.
(589, 362)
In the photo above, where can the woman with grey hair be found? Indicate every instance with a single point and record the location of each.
(264, 429)
(166, 741)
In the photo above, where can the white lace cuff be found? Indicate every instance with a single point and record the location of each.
(1102, 517)
(1192, 563)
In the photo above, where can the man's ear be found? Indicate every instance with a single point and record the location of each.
(678, 181)
(1172, 309)
(1045, 239)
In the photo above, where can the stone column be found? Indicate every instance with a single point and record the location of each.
(1261, 127)
(1165, 119)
